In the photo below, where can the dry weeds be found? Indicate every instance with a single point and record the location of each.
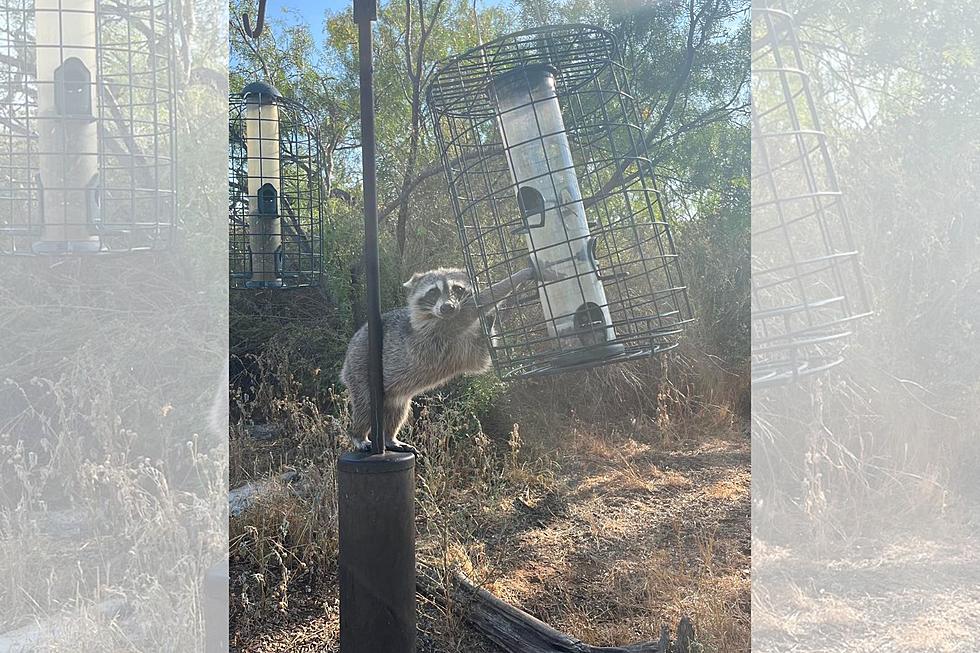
(603, 531)
(111, 491)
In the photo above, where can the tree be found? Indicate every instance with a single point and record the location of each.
(689, 64)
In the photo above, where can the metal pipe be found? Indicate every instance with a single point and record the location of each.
(376, 560)
(365, 12)
(375, 492)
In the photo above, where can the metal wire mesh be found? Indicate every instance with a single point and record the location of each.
(87, 121)
(544, 152)
(807, 287)
(275, 202)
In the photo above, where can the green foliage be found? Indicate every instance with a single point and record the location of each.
(480, 394)
(896, 87)
(899, 88)
(689, 66)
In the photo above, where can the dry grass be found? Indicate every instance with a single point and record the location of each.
(915, 593)
(866, 517)
(605, 531)
(111, 492)
(660, 542)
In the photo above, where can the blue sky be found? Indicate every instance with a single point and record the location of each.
(312, 11)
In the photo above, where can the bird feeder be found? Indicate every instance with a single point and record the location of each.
(807, 286)
(87, 126)
(276, 187)
(547, 165)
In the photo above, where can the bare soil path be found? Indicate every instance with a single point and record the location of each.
(906, 592)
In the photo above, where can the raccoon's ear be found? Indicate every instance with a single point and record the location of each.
(411, 282)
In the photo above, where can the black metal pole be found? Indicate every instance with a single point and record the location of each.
(376, 562)
(365, 13)
(376, 491)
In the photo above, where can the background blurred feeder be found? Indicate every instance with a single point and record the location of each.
(807, 285)
(262, 146)
(545, 157)
(67, 130)
(87, 129)
(275, 191)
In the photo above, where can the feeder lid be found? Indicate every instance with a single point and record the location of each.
(261, 93)
(523, 77)
(576, 53)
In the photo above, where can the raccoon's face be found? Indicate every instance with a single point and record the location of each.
(437, 294)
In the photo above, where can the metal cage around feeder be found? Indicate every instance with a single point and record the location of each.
(544, 152)
(807, 286)
(87, 122)
(276, 191)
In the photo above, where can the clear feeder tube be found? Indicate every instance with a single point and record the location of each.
(555, 226)
(264, 226)
(68, 144)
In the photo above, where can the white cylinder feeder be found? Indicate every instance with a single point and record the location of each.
(276, 191)
(544, 154)
(88, 139)
(264, 184)
(67, 129)
(555, 227)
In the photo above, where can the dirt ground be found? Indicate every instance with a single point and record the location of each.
(632, 532)
(906, 592)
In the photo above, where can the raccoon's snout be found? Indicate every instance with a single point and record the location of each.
(447, 309)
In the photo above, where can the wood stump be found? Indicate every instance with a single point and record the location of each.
(515, 631)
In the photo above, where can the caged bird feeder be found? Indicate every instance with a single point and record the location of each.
(544, 152)
(87, 121)
(807, 286)
(276, 182)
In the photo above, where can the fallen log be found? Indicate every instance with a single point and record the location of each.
(515, 631)
(241, 498)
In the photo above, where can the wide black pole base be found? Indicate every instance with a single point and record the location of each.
(376, 501)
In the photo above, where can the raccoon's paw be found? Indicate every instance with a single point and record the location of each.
(546, 274)
(362, 446)
(541, 273)
(398, 445)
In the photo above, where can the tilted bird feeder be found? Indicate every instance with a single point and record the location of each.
(807, 286)
(275, 191)
(87, 120)
(547, 164)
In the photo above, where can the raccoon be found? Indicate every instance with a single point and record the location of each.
(436, 337)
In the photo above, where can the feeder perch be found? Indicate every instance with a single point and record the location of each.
(807, 286)
(87, 130)
(545, 157)
(275, 191)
